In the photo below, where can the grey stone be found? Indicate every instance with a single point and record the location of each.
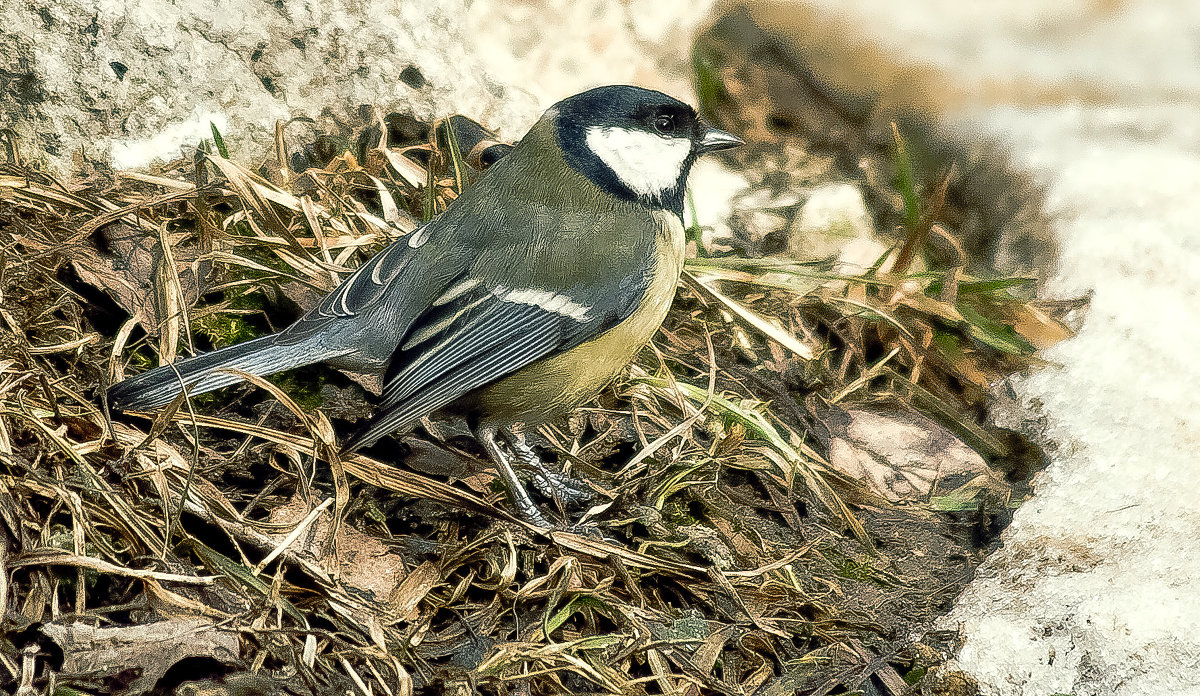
(136, 81)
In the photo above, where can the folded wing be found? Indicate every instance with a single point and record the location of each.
(478, 332)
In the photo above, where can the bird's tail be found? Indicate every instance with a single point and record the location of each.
(261, 356)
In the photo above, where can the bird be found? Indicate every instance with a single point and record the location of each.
(521, 301)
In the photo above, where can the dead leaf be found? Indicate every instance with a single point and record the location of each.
(902, 456)
(127, 274)
(362, 562)
(147, 650)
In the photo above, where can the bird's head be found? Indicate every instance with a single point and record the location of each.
(634, 143)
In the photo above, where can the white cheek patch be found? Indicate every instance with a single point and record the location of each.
(647, 163)
(545, 299)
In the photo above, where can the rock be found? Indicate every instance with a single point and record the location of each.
(135, 82)
(714, 189)
(759, 219)
(834, 221)
(555, 48)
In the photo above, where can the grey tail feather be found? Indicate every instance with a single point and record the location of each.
(160, 385)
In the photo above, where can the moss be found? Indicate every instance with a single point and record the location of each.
(303, 385)
(676, 512)
(854, 569)
(224, 329)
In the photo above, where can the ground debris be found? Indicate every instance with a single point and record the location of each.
(131, 659)
(735, 552)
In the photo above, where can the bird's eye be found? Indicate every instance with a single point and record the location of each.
(665, 123)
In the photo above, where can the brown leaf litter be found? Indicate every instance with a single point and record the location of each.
(785, 478)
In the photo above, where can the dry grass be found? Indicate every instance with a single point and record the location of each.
(734, 558)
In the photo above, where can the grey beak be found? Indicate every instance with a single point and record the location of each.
(716, 139)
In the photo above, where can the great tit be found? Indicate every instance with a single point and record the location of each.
(521, 301)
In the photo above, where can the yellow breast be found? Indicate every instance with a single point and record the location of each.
(558, 384)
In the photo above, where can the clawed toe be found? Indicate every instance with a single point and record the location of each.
(567, 491)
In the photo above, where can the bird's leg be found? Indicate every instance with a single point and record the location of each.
(520, 497)
(564, 490)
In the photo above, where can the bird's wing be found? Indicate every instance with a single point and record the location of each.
(399, 272)
(479, 331)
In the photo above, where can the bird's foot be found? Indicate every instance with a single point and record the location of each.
(566, 491)
(569, 492)
(588, 530)
(529, 512)
(584, 529)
